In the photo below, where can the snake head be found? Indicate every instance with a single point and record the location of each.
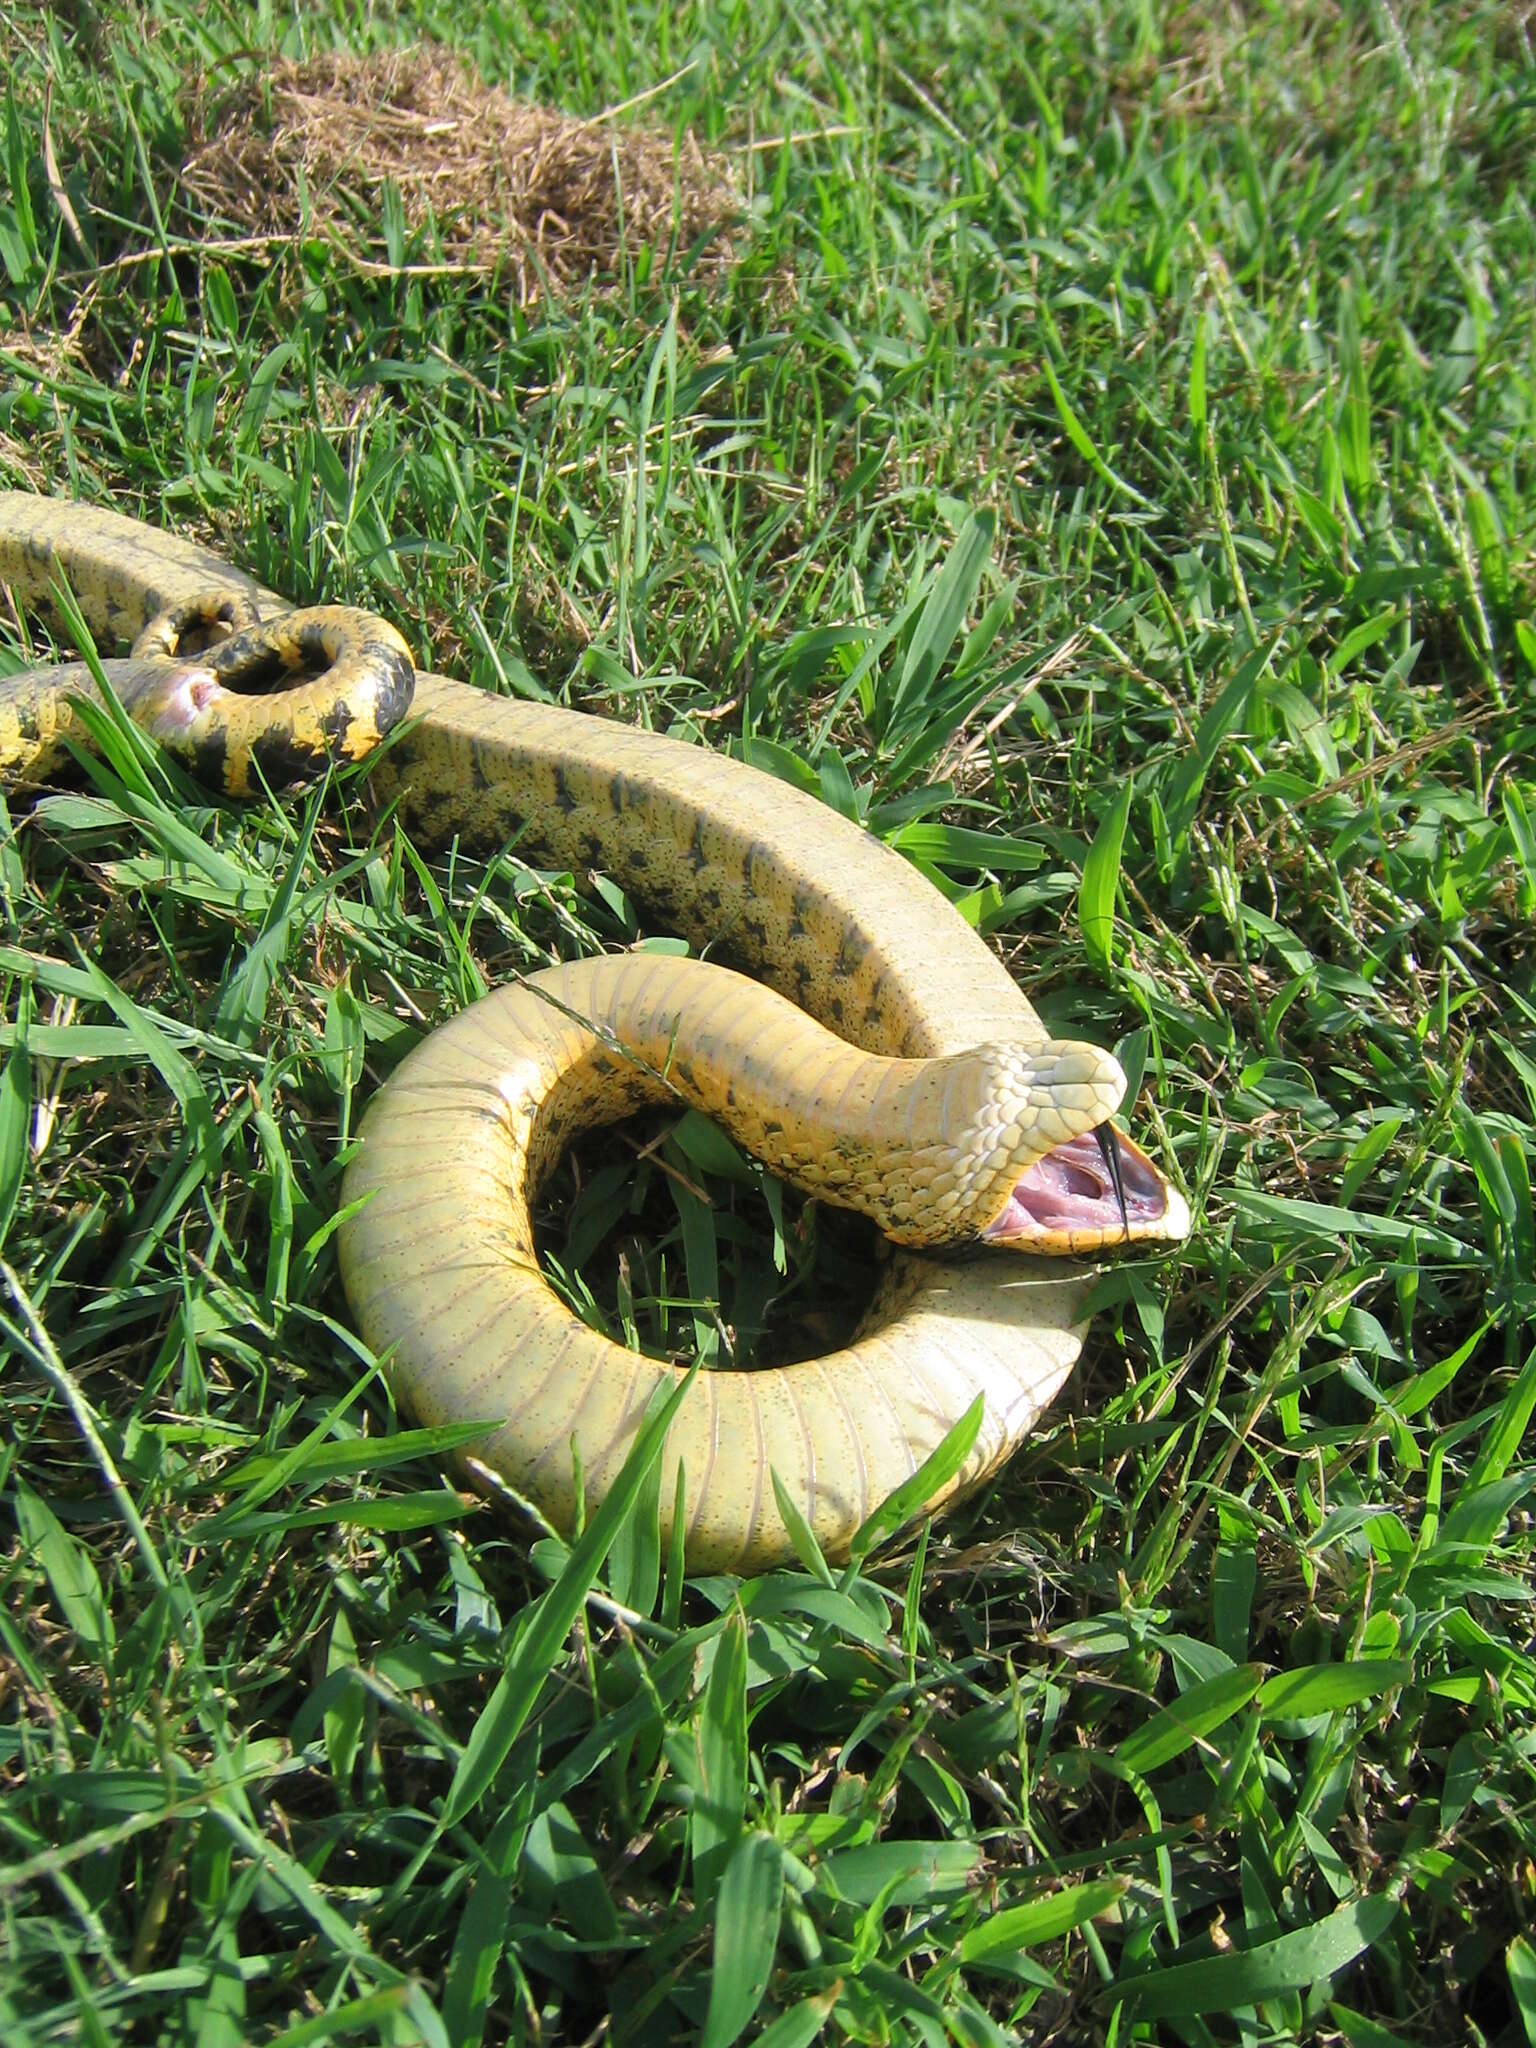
(1053, 1174)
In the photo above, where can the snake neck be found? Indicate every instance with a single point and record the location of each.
(931, 1150)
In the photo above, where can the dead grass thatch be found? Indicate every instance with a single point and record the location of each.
(490, 183)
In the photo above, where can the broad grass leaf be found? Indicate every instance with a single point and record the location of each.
(1503, 1439)
(907, 1873)
(1517, 1172)
(959, 846)
(799, 2027)
(346, 1699)
(839, 1607)
(634, 1562)
(392, 224)
(941, 620)
(537, 1649)
(1292, 1962)
(481, 1932)
(1101, 882)
(1307, 726)
(214, 2013)
(1464, 1769)
(1355, 409)
(774, 758)
(293, 1464)
(1476, 1519)
(392, 2017)
(704, 1145)
(677, 1559)
(15, 1112)
(260, 389)
(1335, 1872)
(1417, 1394)
(720, 1801)
(1358, 2031)
(1520, 1962)
(279, 1202)
(77, 1041)
(219, 302)
(242, 1007)
(801, 1534)
(345, 1458)
(559, 1869)
(1334, 1223)
(1365, 635)
(246, 887)
(1362, 1160)
(1083, 441)
(130, 755)
(1197, 354)
(1234, 1574)
(1522, 834)
(1501, 1207)
(837, 790)
(70, 1573)
(936, 1471)
(1326, 1688)
(1321, 522)
(701, 1255)
(21, 216)
(1225, 715)
(1492, 552)
(341, 1058)
(747, 1913)
(1174, 1728)
(1041, 1920)
(412, 1511)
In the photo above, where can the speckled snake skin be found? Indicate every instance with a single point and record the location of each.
(896, 1069)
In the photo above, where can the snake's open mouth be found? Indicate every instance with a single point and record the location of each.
(1099, 1188)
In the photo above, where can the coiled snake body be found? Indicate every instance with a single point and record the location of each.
(898, 1069)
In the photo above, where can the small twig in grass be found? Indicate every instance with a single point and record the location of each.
(647, 94)
(766, 142)
(1409, 755)
(56, 189)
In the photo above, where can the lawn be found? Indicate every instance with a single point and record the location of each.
(1195, 347)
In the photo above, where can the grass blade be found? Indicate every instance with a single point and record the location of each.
(1187, 1719)
(746, 1937)
(720, 1803)
(537, 1648)
(1293, 1962)
(936, 1470)
(1101, 881)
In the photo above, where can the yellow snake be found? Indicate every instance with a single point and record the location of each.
(898, 1069)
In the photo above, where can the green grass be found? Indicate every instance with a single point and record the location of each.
(1200, 343)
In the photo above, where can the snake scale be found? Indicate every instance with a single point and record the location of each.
(882, 1056)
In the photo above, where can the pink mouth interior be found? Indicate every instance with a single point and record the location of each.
(1070, 1189)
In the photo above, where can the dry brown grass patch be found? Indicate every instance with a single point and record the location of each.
(496, 184)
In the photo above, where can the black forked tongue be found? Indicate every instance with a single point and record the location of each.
(1109, 1152)
(1097, 1188)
